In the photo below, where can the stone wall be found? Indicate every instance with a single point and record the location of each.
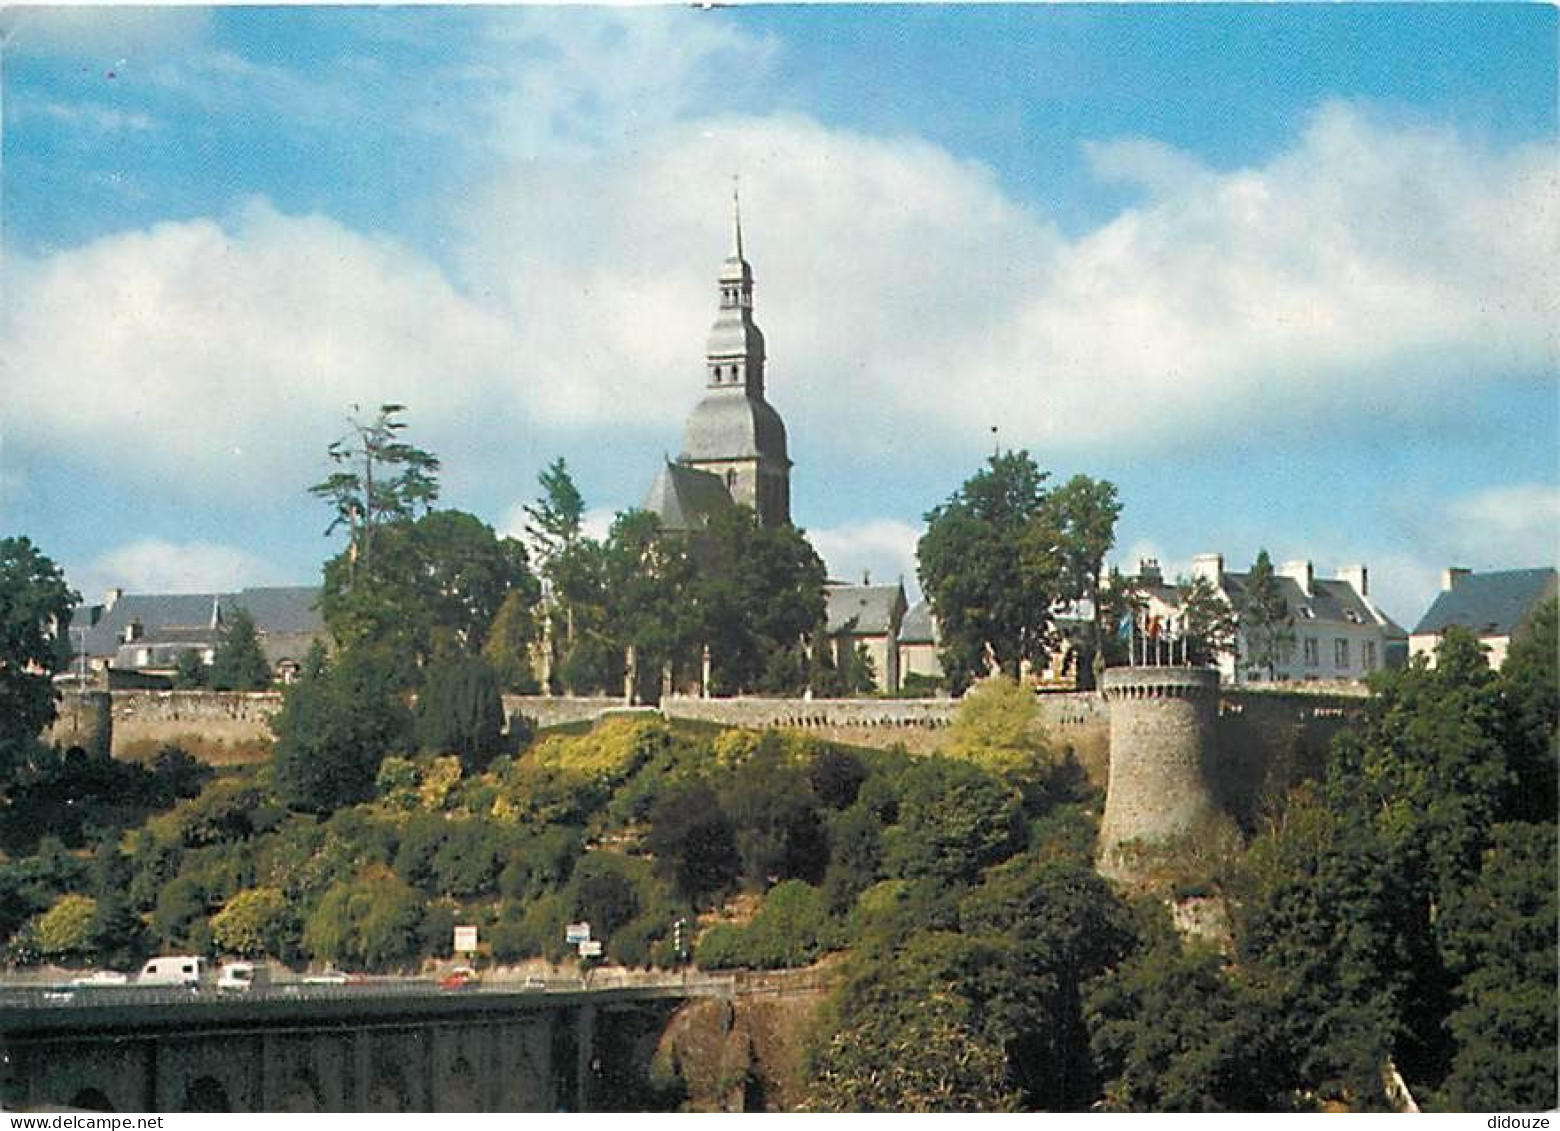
(1266, 738)
(562, 710)
(1269, 740)
(215, 718)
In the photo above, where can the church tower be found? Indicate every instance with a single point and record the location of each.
(734, 433)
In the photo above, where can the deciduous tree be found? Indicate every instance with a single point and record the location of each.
(986, 573)
(35, 604)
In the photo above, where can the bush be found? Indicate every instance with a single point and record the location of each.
(536, 929)
(539, 860)
(396, 783)
(179, 918)
(257, 922)
(693, 841)
(792, 928)
(997, 727)
(65, 930)
(371, 922)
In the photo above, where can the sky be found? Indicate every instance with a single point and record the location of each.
(1289, 276)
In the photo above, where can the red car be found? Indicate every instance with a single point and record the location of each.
(460, 978)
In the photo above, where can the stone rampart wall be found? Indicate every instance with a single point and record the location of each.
(561, 710)
(1266, 739)
(217, 718)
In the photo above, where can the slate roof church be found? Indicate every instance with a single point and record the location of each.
(733, 449)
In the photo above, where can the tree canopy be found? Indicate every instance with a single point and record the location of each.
(1002, 553)
(35, 605)
(1265, 619)
(381, 479)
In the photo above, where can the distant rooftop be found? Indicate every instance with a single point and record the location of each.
(1490, 604)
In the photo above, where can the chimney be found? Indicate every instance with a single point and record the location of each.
(111, 598)
(1356, 576)
(1149, 572)
(1209, 567)
(1451, 576)
(1300, 573)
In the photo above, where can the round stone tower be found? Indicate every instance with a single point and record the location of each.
(1161, 741)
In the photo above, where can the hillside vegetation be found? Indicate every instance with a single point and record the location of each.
(1396, 915)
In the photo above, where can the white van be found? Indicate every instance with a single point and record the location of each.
(241, 977)
(176, 970)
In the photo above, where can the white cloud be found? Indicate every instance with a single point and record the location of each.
(575, 84)
(98, 117)
(209, 357)
(908, 301)
(882, 547)
(1512, 527)
(107, 33)
(1360, 276)
(155, 566)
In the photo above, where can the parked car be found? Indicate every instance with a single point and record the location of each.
(334, 978)
(241, 977)
(102, 978)
(460, 978)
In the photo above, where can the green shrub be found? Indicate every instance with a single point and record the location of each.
(65, 930)
(256, 922)
(370, 922)
(792, 928)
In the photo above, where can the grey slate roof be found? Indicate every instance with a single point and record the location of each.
(186, 618)
(1491, 604)
(866, 610)
(684, 498)
(729, 424)
(292, 608)
(1331, 602)
(918, 626)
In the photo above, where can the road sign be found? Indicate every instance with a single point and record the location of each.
(576, 933)
(590, 948)
(465, 940)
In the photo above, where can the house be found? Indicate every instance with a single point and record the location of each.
(1494, 606)
(1339, 632)
(871, 616)
(148, 632)
(917, 651)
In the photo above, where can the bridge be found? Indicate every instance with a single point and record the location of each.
(385, 1045)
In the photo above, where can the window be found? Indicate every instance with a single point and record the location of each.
(1370, 655)
(1313, 658)
(1341, 653)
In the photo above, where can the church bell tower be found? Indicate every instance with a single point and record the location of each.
(734, 433)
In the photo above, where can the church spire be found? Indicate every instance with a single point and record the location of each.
(736, 346)
(736, 213)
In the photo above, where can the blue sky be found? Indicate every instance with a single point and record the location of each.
(1284, 274)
